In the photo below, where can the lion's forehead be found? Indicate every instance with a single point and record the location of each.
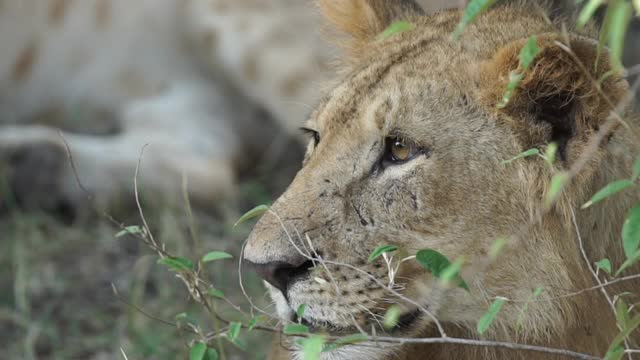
(374, 101)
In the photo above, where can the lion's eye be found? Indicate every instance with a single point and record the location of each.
(398, 150)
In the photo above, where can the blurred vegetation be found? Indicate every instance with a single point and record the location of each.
(58, 276)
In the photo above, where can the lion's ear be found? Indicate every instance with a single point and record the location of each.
(363, 20)
(557, 99)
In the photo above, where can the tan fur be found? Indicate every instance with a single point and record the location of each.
(458, 196)
(365, 19)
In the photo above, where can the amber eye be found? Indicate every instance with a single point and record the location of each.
(398, 150)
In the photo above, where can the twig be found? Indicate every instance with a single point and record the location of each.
(593, 272)
(244, 292)
(484, 343)
(137, 197)
(142, 311)
(84, 190)
(582, 291)
(124, 355)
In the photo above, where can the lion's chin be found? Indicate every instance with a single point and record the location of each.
(405, 324)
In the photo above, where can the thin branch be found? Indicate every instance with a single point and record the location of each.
(484, 343)
(580, 292)
(604, 291)
(144, 312)
(137, 197)
(241, 283)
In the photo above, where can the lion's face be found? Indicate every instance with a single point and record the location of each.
(406, 151)
(400, 160)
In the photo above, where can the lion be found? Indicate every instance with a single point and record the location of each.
(409, 149)
(213, 87)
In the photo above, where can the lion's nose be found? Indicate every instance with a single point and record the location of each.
(282, 274)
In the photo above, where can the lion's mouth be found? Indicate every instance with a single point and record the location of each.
(404, 323)
(407, 320)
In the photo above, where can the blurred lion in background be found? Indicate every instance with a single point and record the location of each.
(207, 84)
(196, 80)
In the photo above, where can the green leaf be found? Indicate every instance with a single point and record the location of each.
(433, 261)
(182, 317)
(211, 354)
(537, 292)
(631, 326)
(631, 232)
(473, 9)
(351, 339)
(395, 28)
(234, 330)
(216, 293)
(608, 190)
(452, 274)
(451, 271)
(636, 168)
(628, 263)
(496, 248)
(529, 53)
(487, 319)
(300, 311)
(255, 212)
(381, 250)
(622, 313)
(615, 354)
(312, 347)
(176, 263)
(216, 255)
(587, 12)
(197, 351)
(130, 230)
(437, 264)
(391, 317)
(550, 153)
(514, 80)
(604, 265)
(558, 182)
(295, 329)
(621, 12)
(254, 321)
(530, 152)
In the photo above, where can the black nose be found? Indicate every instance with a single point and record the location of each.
(282, 274)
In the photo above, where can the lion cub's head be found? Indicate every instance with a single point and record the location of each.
(408, 151)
